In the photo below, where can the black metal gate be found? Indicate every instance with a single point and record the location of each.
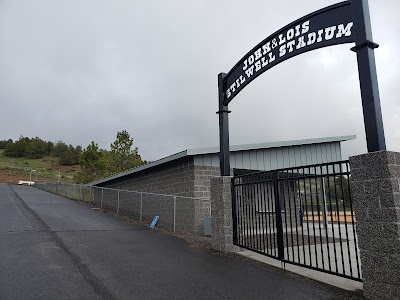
(302, 216)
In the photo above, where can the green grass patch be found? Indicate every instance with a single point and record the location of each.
(47, 168)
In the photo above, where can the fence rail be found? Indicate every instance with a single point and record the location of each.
(303, 216)
(175, 212)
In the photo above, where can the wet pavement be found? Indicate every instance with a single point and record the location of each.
(55, 248)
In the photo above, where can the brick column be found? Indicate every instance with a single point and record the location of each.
(376, 195)
(221, 214)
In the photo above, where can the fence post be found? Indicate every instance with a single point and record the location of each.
(90, 194)
(141, 207)
(118, 204)
(174, 213)
(80, 192)
(101, 201)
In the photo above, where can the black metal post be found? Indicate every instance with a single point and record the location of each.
(368, 79)
(223, 112)
(278, 211)
(234, 212)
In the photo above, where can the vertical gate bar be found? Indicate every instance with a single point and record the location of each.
(352, 223)
(238, 208)
(251, 214)
(259, 214)
(262, 210)
(244, 215)
(266, 213)
(255, 219)
(338, 217)
(278, 218)
(313, 217)
(247, 218)
(101, 200)
(326, 218)
(295, 215)
(274, 233)
(270, 237)
(256, 223)
(290, 213)
(118, 203)
(345, 220)
(234, 211)
(306, 212)
(241, 209)
(332, 223)
(282, 183)
(254, 213)
(324, 200)
(303, 227)
(317, 179)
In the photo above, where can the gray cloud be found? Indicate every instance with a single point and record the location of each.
(83, 70)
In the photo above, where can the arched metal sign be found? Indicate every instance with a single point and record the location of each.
(345, 22)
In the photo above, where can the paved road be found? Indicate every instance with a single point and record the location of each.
(55, 248)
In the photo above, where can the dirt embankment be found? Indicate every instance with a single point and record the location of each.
(13, 176)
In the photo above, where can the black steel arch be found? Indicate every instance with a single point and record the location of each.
(344, 22)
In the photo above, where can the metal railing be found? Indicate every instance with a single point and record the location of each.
(303, 216)
(175, 212)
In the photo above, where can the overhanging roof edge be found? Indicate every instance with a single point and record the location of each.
(244, 147)
(149, 165)
(232, 148)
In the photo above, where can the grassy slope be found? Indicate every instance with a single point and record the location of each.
(48, 168)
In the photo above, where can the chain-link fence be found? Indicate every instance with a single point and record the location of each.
(175, 212)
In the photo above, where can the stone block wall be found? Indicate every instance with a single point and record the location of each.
(221, 214)
(376, 195)
(180, 178)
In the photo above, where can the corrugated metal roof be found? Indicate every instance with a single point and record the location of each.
(233, 148)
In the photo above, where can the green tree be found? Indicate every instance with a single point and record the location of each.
(338, 187)
(4, 143)
(122, 156)
(36, 148)
(94, 163)
(18, 148)
(70, 156)
(58, 148)
(50, 147)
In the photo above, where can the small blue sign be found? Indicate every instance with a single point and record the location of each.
(154, 221)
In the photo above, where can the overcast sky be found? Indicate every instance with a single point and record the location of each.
(79, 71)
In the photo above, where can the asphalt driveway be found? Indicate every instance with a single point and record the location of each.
(55, 248)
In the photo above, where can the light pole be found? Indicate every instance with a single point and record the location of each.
(30, 175)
